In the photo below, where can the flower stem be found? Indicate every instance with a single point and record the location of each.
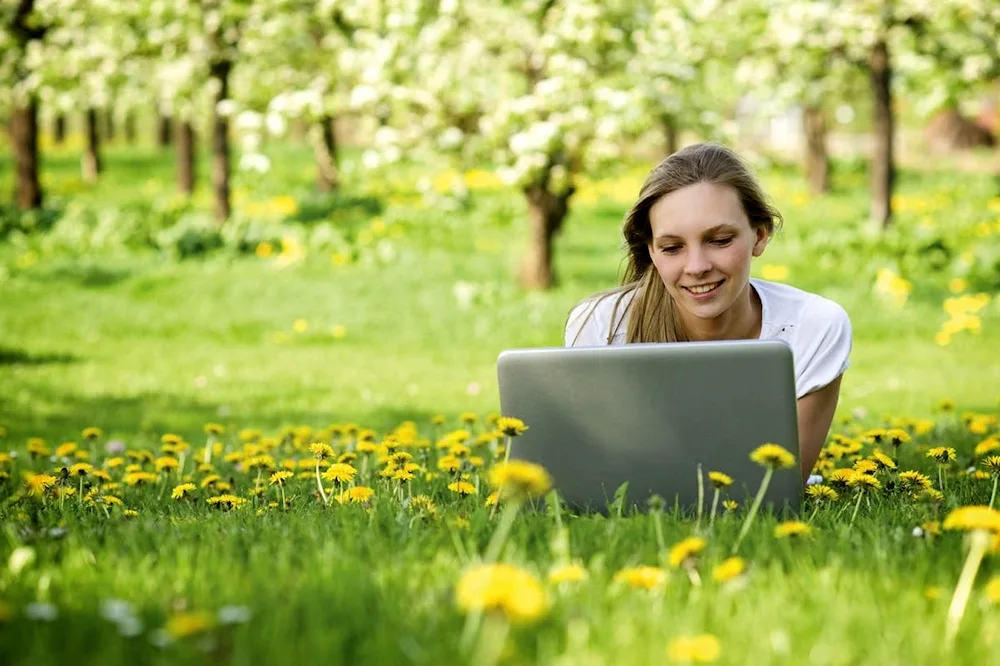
(319, 484)
(659, 532)
(857, 505)
(506, 457)
(753, 508)
(993, 495)
(980, 542)
(715, 504)
(701, 498)
(503, 529)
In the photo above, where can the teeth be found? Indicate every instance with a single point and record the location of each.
(703, 289)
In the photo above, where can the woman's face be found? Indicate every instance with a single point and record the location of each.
(702, 245)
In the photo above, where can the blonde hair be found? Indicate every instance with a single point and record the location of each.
(653, 316)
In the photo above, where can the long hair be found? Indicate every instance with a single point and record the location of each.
(653, 315)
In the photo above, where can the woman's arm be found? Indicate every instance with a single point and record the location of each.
(815, 411)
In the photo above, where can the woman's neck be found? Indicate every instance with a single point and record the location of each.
(742, 321)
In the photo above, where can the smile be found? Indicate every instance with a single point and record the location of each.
(705, 288)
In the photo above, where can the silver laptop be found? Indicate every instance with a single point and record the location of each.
(650, 415)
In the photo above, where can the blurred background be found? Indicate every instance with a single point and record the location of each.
(273, 212)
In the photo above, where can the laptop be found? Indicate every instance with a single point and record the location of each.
(652, 415)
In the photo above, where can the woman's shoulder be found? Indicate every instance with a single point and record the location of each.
(788, 305)
(590, 320)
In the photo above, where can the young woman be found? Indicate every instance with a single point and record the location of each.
(700, 218)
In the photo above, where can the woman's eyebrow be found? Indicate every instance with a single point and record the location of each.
(725, 226)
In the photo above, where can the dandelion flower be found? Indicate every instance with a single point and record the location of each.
(792, 528)
(520, 479)
(181, 491)
(92, 433)
(567, 573)
(340, 473)
(502, 588)
(423, 504)
(730, 505)
(685, 550)
(720, 480)
(729, 569)
(166, 463)
(773, 456)
(822, 493)
(39, 483)
(992, 463)
(227, 501)
(992, 591)
(321, 450)
(189, 624)
(80, 469)
(865, 466)
(279, 478)
(448, 463)
(863, 481)
(943, 454)
(641, 577)
(139, 478)
(130, 513)
(973, 518)
(700, 649)
(511, 427)
(913, 480)
(463, 488)
(356, 495)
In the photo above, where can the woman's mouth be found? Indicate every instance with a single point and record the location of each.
(704, 291)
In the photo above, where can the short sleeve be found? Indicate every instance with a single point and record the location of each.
(822, 346)
(583, 327)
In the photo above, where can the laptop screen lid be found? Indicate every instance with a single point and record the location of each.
(650, 415)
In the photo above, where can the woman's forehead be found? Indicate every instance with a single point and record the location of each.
(697, 209)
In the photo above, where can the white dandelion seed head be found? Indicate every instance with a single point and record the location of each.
(234, 615)
(918, 532)
(115, 610)
(41, 611)
(814, 479)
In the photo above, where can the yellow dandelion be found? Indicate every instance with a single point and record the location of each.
(730, 505)
(700, 649)
(729, 569)
(992, 590)
(943, 454)
(279, 478)
(913, 480)
(463, 488)
(130, 513)
(214, 429)
(773, 456)
(719, 479)
(502, 588)
(92, 433)
(567, 573)
(864, 481)
(166, 463)
(821, 493)
(510, 426)
(792, 528)
(685, 550)
(80, 469)
(356, 495)
(321, 450)
(992, 463)
(519, 479)
(973, 518)
(182, 490)
(139, 478)
(189, 624)
(340, 473)
(39, 483)
(883, 461)
(227, 501)
(448, 464)
(641, 577)
(65, 449)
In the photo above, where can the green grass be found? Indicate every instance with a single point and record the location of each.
(140, 344)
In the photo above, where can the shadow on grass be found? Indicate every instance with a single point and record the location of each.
(10, 356)
(142, 420)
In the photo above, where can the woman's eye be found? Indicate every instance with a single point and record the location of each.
(723, 241)
(670, 249)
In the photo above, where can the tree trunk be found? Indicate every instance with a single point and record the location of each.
(323, 137)
(546, 212)
(59, 129)
(670, 134)
(164, 130)
(129, 128)
(882, 164)
(817, 160)
(91, 161)
(220, 142)
(24, 141)
(109, 125)
(185, 157)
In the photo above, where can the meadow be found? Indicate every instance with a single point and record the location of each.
(369, 322)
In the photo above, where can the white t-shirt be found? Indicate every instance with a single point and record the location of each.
(817, 329)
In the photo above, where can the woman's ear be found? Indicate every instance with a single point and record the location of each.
(763, 237)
